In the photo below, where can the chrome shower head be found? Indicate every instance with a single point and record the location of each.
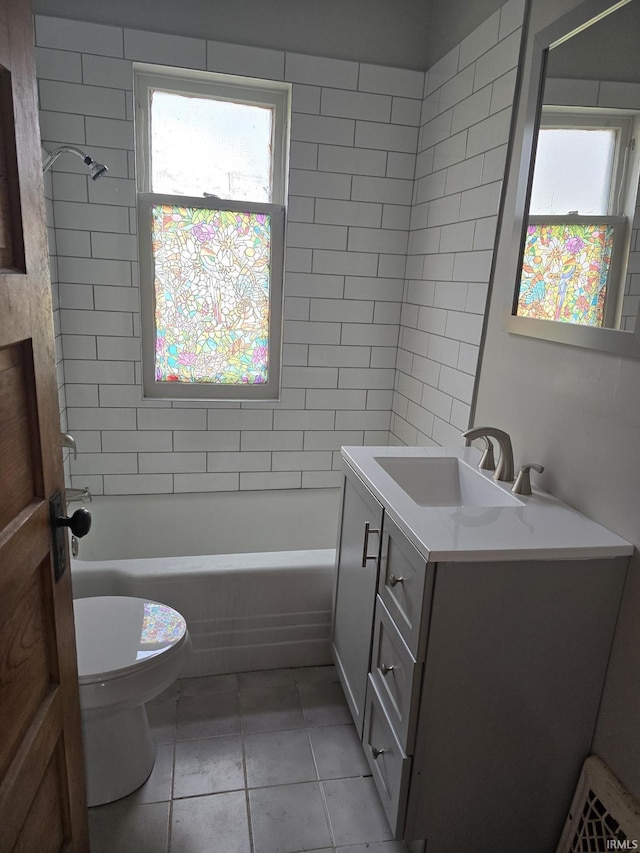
(95, 169)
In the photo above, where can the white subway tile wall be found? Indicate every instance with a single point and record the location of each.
(386, 265)
(463, 134)
(354, 136)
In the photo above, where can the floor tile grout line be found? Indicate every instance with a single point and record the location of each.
(249, 820)
(322, 795)
(173, 778)
(264, 787)
(313, 754)
(173, 770)
(170, 826)
(325, 806)
(173, 763)
(246, 783)
(261, 732)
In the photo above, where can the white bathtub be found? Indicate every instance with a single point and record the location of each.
(252, 572)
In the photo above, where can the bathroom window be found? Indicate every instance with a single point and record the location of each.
(211, 156)
(572, 267)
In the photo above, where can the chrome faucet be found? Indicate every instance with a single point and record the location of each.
(83, 495)
(504, 468)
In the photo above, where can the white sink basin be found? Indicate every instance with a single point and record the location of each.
(444, 481)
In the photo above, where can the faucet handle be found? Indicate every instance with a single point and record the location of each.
(522, 485)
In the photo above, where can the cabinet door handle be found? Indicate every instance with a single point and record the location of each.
(377, 752)
(384, 669)
(365, 545)
(393, 580)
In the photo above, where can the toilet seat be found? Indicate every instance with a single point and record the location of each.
(118, 636)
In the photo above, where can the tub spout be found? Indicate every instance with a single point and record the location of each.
(83, 495)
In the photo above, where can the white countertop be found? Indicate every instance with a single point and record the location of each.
(537, 527)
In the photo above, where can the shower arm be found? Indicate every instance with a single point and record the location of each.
(95, 169)
(51, 159)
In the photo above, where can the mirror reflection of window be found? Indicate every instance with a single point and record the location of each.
(581, 247)
(568, 269)
(565, 156)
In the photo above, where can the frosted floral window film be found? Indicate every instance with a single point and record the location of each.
(212, 295)
(565, 272)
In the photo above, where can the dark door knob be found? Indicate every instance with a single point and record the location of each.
(79, 523)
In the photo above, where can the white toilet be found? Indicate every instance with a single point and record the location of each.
(129, 650)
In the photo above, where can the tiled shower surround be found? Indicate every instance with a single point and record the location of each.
(464, 130)
(390, 169)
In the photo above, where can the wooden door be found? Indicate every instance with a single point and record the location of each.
(42, 796)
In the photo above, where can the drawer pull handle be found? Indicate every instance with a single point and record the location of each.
(376, 752)
(384, 669)
(365, 545)
(394, 579)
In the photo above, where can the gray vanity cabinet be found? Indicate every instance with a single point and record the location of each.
(357, 561)
(475, 685)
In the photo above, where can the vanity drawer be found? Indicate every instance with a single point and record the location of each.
(405, 585)
(396, 675)
(389, 764)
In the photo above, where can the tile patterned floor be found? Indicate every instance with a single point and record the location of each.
(259, 762)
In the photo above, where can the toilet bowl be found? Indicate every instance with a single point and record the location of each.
(129, 650)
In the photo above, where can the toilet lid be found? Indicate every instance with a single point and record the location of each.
(116, 633)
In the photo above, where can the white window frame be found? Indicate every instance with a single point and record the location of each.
(240, 90)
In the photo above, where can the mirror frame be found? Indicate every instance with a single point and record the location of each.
(541, 35)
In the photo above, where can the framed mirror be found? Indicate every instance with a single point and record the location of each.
(574, 179)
